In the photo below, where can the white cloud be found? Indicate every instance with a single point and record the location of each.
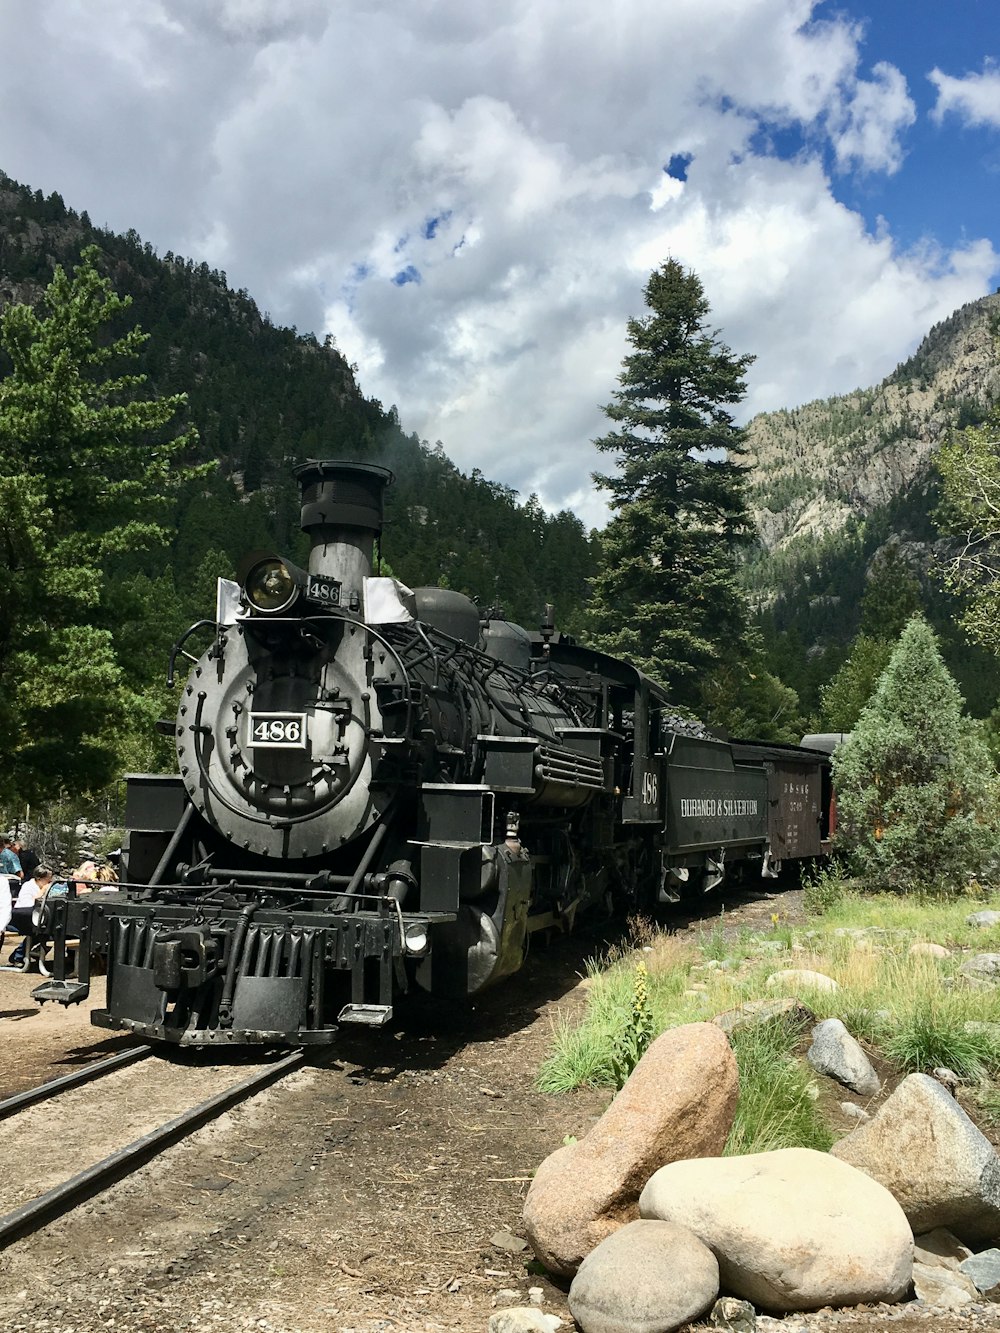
(974, 98)
(873, 120)
(471, 199)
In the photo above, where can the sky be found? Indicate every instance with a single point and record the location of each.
(470, 198)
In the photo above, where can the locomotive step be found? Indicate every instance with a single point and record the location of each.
(368, 1015)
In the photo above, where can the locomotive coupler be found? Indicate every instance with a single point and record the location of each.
(185, 958)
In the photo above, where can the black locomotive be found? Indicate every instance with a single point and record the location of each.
(377, 791)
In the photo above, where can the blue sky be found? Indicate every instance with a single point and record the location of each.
(949, 185)
(469, 199)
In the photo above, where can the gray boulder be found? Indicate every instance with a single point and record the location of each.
(946, 1288)
(983, 919)
(679, 1102)
(835, 1052)
(649, 1277)
(926, 1151)
(751, 1012)
(983, 1268)
(981, 967)
(792, 1229)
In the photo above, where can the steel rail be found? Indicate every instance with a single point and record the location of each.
(10, 1105)
(36, 1212)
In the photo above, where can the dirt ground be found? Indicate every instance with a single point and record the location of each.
(379, 1192)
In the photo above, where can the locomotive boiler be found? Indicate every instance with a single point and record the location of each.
(378, 791)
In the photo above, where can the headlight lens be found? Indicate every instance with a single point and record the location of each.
(270, 586)
(415, 938)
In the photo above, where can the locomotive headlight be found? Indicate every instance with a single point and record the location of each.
(415, 938)
(271, 586)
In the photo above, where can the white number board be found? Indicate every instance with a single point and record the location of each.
(284, 731)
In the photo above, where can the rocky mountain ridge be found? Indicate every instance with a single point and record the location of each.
(818, 466)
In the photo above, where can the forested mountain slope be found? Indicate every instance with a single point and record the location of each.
(818, 466)
(838, 481)
(263, 397)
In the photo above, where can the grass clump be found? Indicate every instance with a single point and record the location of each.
(777, 1106)
(914, 1010)
(939, 1030)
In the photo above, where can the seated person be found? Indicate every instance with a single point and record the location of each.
(20, 918)
(107, 879)
(7, 901)
(9, 862)
(85, 877)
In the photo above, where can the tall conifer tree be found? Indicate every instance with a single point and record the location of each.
(917, 794)
(667, 594)
(87, 468)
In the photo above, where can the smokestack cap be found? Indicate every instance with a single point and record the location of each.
(342, 495)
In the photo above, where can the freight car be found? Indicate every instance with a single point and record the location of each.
(378, 791)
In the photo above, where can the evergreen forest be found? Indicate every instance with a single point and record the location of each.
(809, 631)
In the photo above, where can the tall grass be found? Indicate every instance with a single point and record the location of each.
(777, 1105)
(915, 1011)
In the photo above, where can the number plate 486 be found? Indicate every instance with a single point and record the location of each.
(286, 731)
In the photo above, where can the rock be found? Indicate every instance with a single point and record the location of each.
(791, 1229)
(928, 950)
(536, 1296)
(523, 1319)
(793, 978)
(926, 1151)
(764, 1011)
(983, 919)
(732, 1316)
(991, 1030)
(679, 1102)
(983, 1268)
(947, 1078)
(649, 1277)
(507, 1241)
(981, 967)
(939, 1248)
(506, 1297)
(944, 1287)
(835, 1052)
(854, 1112)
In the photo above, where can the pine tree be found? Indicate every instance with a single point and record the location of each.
(667, 593)
(87, 467)
(969, 464)
(917, 793)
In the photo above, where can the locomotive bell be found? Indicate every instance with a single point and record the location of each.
(342, 514)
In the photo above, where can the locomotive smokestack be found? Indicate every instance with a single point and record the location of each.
(342, 511)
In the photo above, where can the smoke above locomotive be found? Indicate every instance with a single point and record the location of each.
(380, 791)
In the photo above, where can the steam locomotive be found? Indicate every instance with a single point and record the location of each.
(378, 791)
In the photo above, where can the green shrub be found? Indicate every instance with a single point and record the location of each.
(823, 888)
(917, 791)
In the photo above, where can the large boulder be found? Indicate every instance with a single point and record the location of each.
(648, 1277)
(926, 1151)
(834, 1052)
(679, 1102)
(792, 1230)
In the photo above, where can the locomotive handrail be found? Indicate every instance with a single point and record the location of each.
(179, 647)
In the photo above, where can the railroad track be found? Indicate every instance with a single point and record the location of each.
(86, 1074)
(85, 1184)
